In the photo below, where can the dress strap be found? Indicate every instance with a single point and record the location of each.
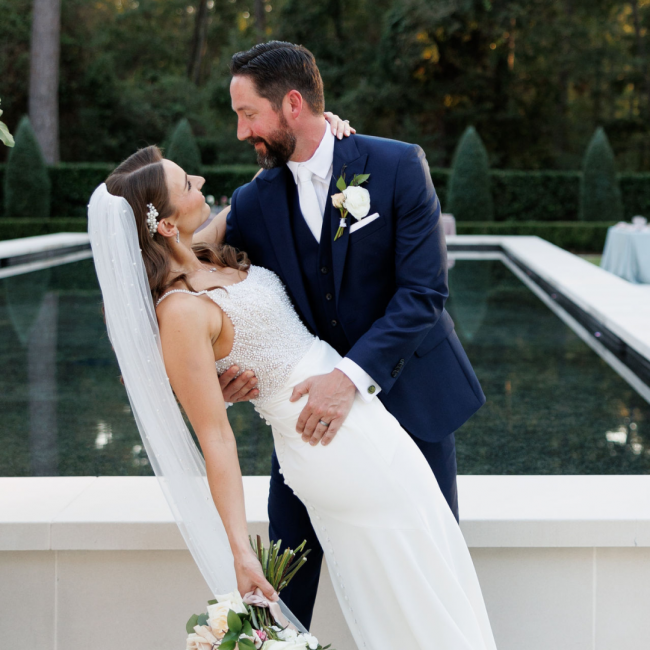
(169, 293)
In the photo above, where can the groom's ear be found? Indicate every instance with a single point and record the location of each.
(294, 103)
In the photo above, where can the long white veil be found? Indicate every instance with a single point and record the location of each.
(133, 332)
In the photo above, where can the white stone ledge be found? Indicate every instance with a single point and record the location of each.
(41, 243)
(130, 513)
(620, 306)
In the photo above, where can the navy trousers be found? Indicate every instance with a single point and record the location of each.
(289, 522)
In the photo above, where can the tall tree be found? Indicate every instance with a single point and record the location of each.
(44, 76)
(198, 42)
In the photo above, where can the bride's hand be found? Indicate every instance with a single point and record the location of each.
(250, 576)
(339, 127)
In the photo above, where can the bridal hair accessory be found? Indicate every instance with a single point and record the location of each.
(152, 217)
(352, 199)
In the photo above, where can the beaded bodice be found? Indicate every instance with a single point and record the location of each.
(269, 338)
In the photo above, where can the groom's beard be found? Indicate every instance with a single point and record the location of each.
(278, 148)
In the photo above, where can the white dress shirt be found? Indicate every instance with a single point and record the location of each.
(321, 166)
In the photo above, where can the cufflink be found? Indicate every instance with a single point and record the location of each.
(372, 389)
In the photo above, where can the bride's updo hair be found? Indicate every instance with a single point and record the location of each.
(140, 179)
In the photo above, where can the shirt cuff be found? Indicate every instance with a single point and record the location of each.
(360, 378)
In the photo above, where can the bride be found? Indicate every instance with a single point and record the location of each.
(398, 561)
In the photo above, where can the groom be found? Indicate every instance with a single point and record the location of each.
(376, 294)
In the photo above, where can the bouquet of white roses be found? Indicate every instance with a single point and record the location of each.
(252, 622)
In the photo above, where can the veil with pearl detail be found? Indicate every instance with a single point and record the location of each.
(133, 332)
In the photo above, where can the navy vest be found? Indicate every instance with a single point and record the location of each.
(316, 266)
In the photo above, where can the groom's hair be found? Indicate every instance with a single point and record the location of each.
(276, 68)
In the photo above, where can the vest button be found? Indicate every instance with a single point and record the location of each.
(334, 323)
(328, 296)
(324, 270)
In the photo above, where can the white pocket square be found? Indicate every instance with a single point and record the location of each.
(364, 222)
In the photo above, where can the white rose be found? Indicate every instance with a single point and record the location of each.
(357, 201)
(196, 642)
(218, 618)
(311, 641)
(285, 645)
(235, 600)
(288, 634)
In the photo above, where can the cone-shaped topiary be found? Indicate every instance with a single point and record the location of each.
(600, 194)
(27, 181)
(470, 194)
(183, 149)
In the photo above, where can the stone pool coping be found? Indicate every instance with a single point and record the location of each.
(622, 307)
(42, 244)
(130, 513)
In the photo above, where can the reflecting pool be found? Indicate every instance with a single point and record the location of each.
(554, 406)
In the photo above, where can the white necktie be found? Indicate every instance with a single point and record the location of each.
(309, 202)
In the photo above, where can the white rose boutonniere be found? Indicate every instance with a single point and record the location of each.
(352, 199)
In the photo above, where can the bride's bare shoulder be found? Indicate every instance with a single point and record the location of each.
(187, 312)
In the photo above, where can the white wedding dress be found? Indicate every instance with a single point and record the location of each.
(400, 566)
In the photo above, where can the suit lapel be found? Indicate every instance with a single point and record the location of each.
(346, 154)
(272, 187)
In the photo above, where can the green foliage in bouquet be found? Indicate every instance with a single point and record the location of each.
(183, 149)
(27, 182)
(600, 194)
(279, 569)
(469, 195)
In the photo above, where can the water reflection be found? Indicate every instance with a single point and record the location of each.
(551, 400)
(554, 407)
(33, 312)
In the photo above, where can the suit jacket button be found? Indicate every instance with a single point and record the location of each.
(334, 323)
(394, 373)
(371, 389)
(324, 270)
(328, 296)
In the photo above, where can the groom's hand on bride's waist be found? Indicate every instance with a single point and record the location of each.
(330, 400)
(238, 389)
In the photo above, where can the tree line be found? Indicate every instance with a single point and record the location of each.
(534, 78)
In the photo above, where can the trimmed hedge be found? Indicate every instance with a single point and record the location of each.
(518, 196)
(224, 180)
(17, 228)
(469, 191)
(580, 237)
(26, 180)
(600, 192)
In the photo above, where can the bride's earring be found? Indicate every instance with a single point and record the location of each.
(178, 237)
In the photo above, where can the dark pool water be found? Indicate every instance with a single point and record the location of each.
(554, 407)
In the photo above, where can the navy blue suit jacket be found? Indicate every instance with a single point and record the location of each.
(390, 280)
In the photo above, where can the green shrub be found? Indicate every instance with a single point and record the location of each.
(535, 195)
(469, 194)
(73, 185)
(27, 184)
(600, 194)
(223, 181)
(17, 228)
(183, 149)
(574, 236)
(518, 196)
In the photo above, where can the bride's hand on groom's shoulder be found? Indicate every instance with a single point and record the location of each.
(340, 128)
(330, 399)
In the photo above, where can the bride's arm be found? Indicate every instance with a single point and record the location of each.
(188, 327)
(216, 231)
